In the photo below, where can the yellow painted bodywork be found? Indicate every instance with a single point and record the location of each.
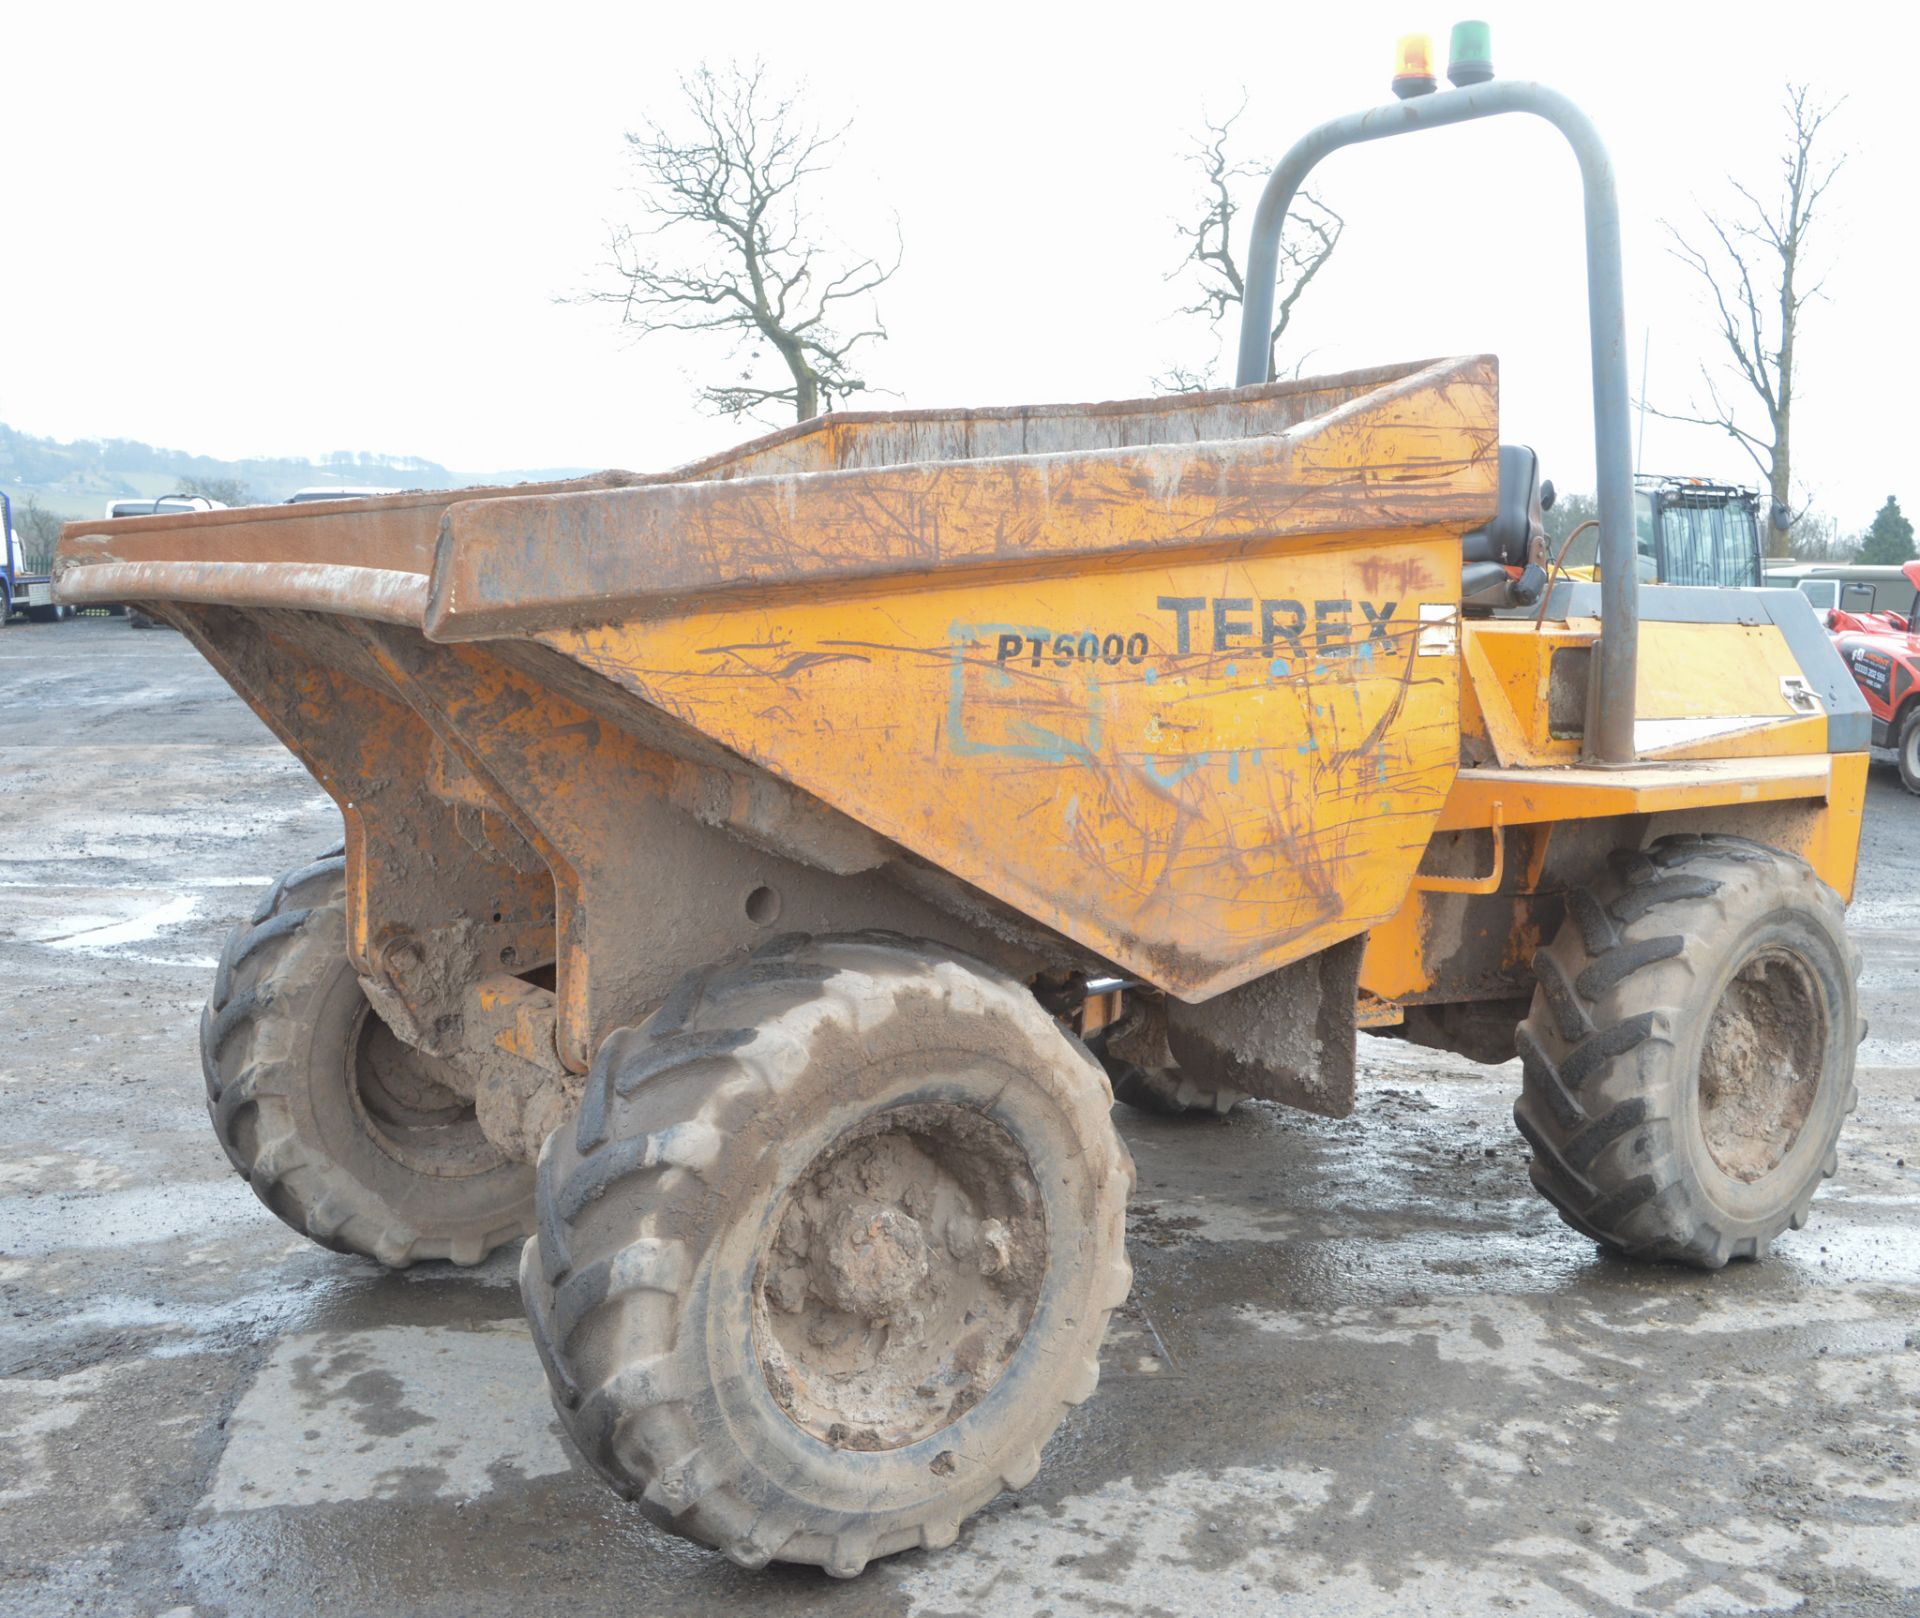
(1719, 739)
(1704, 691)
(1208, 767)
(1184, 680)
(1200, 804)
(1180, 708)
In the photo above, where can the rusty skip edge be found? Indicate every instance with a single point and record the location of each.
(526, 566)
(486, 563)
(367, 558)
(382, 594)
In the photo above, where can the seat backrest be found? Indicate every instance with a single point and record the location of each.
(1507, 537)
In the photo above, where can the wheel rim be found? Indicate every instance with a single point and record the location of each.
(898, 1282)
(1762, 1064)
(1910, 750)
(403, 1103)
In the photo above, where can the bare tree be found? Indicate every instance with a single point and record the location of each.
(1754, 263)
(727, 245)
(227, 491)
(39, 531)
(1211, 265)
(1816, 537)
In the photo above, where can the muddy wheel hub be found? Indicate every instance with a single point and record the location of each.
(901, 1276)
(405, 1103)
(1761, 1064)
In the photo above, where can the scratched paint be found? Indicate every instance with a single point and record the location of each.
(1162, 762)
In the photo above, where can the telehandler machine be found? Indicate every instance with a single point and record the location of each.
(735, 858)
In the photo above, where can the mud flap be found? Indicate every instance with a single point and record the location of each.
(1288, 1036)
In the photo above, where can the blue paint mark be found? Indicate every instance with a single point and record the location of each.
(1278, 668)
(1233, 768)
(1180, 771)
(1232, 670)
(1034, 741)
(1148, 676)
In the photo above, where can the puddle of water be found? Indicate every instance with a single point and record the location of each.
(400, 1411)
(1233, 1543)
(135, 930)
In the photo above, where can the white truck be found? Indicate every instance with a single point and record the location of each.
(23, 589)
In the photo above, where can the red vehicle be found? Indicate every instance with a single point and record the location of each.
(1883, 651)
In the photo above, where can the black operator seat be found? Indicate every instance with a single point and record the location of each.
(1507, 541)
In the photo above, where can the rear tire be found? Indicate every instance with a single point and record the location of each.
(1689, 1053)
(829, 1249)
(1906, 746)
(341, 1130)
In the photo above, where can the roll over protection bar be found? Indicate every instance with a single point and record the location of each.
(1609, 738)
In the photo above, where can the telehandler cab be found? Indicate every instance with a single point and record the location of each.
(734, 857)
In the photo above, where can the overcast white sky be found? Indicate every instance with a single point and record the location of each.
(296, 228)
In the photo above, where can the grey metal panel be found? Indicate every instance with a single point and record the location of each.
(1849, 719)
(1668, 604)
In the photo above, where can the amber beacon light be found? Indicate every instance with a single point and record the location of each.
(1413, 66)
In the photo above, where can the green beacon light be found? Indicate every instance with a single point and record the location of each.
(1470, 54)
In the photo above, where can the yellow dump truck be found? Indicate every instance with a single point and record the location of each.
(757, 874)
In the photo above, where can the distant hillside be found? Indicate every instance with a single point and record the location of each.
(78, 479)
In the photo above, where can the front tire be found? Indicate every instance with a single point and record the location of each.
(343, 1132)
(1689, 1053)
(829, 1249)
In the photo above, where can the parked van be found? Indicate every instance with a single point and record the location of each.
(1850, 586)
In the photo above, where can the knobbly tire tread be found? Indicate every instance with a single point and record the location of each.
(1600, 1103)
(271, 979)
(1906, 755)
(667, 1124)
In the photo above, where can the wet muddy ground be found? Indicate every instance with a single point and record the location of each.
(1365, 1369)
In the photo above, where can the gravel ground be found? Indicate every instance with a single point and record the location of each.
(1365, 1370)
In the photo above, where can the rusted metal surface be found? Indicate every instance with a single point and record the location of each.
(388, 594)
(645, 890)
(1177, 689)
(375, 558)
(438, 892)
(369, 558)
(847, 439)
(1178, 796)
(522, 1091)
(1416, 452)
(1288, 1036)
